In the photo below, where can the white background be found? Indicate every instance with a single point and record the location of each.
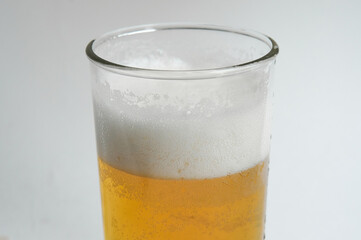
(48, 170)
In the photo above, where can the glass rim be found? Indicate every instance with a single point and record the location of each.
(183, 74)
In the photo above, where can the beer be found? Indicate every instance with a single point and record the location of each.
(228, 207)
(182, 120)
(159, 181)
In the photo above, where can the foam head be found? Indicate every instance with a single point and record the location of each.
(192, 129)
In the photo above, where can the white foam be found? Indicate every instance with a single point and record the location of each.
(182, 129)
(158, 59)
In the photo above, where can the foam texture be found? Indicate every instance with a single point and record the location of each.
(182, 129)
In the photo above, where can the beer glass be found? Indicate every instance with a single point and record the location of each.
(182, 119)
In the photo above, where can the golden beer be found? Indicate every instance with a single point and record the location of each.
(182, 119)
(229, 207)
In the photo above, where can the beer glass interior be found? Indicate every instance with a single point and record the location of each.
(182, 117)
